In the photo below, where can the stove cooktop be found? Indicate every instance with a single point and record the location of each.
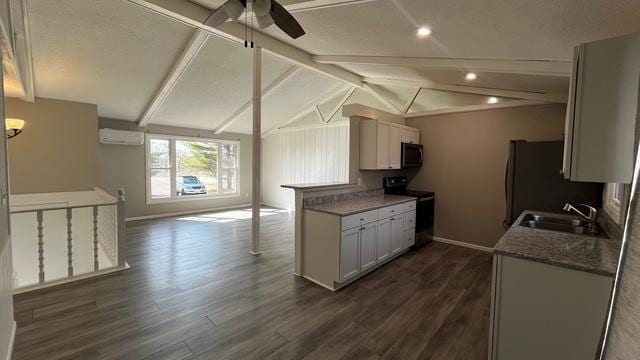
(418, 194)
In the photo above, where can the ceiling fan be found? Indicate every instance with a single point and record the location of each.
(268, 12)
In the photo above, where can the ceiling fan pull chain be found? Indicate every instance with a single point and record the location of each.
(246, 26)
(251, 1)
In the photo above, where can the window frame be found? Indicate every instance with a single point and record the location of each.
(616, 208)
(173, 172)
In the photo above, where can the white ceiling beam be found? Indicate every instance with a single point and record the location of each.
(412, 99)
(194, 15)
(15, 46)
(382, 99)
(177, 71)
(295, 6)
(342, 101)
(270, 89)
(22, 46)
(527, 95)
(523, 67)
(469, 108)
(304, 110)
(319, 114)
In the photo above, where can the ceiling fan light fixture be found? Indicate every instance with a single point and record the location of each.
(264, 21)
(261, 7)
(233, 8)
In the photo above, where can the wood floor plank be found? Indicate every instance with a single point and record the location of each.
(195, 292)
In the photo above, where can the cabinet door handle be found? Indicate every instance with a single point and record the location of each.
(361, 219)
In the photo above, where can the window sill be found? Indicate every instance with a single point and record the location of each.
(188, 198)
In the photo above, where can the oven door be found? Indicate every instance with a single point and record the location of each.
(411, 155)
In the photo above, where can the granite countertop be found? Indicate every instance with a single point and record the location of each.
(313, 186)
(593, 254)
(354, 206)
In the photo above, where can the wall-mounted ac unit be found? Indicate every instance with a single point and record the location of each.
(120, 137)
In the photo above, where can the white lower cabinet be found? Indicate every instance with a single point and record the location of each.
(383, 243)
(338, 249)
(409, 237)
(541, 311)
(368, 237)
(349, 254)
(397, 241)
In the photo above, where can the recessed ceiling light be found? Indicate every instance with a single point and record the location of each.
(471, 76)
(492, 100)
(424, 31)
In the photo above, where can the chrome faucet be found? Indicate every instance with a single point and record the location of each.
(593, 212)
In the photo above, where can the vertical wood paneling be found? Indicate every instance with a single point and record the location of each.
(303, 156)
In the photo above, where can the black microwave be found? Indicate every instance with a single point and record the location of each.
(411, 155)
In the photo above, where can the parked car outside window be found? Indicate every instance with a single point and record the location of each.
(189, 185)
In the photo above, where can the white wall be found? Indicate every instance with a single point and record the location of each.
(309, 155)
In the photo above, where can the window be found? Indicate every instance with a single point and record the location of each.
(614, 202)
(185, 169)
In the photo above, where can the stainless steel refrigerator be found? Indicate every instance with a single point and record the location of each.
(534, 180)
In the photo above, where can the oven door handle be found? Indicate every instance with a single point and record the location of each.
(426, 199)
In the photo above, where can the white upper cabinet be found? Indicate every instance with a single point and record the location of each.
(410, 135)
(381, 144)
(602, 111)
(395, 146)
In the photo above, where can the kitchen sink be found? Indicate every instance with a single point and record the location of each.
(560, 223)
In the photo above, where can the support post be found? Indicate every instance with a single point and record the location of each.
(122, 232)
(257, 150)
(298, 234)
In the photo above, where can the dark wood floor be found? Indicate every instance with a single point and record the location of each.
(195, 292)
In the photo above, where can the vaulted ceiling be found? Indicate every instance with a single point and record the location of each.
(119, 54)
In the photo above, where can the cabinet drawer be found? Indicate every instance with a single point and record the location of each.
(359, 219)
(409, 220)
(410, 206)
(409, 236)
(390, 211)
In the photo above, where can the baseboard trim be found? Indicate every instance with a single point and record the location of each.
(189, 212)
(12, 341)
(318, 283)
(463, 244)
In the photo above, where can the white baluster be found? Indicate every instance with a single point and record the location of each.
(40, 247)
(96, 265)
(69, 243)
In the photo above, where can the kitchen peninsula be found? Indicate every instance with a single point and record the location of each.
(343, 234)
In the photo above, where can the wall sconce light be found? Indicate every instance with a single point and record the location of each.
(14, 127)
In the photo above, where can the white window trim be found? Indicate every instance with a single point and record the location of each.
(172, 161)
(613, 207)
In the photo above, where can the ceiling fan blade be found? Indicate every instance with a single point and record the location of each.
(285, 21)
(232, 9)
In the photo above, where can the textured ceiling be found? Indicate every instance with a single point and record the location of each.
(117, 55)
(215, 85)
(302, 90)
(489, 29)
(109, 53)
